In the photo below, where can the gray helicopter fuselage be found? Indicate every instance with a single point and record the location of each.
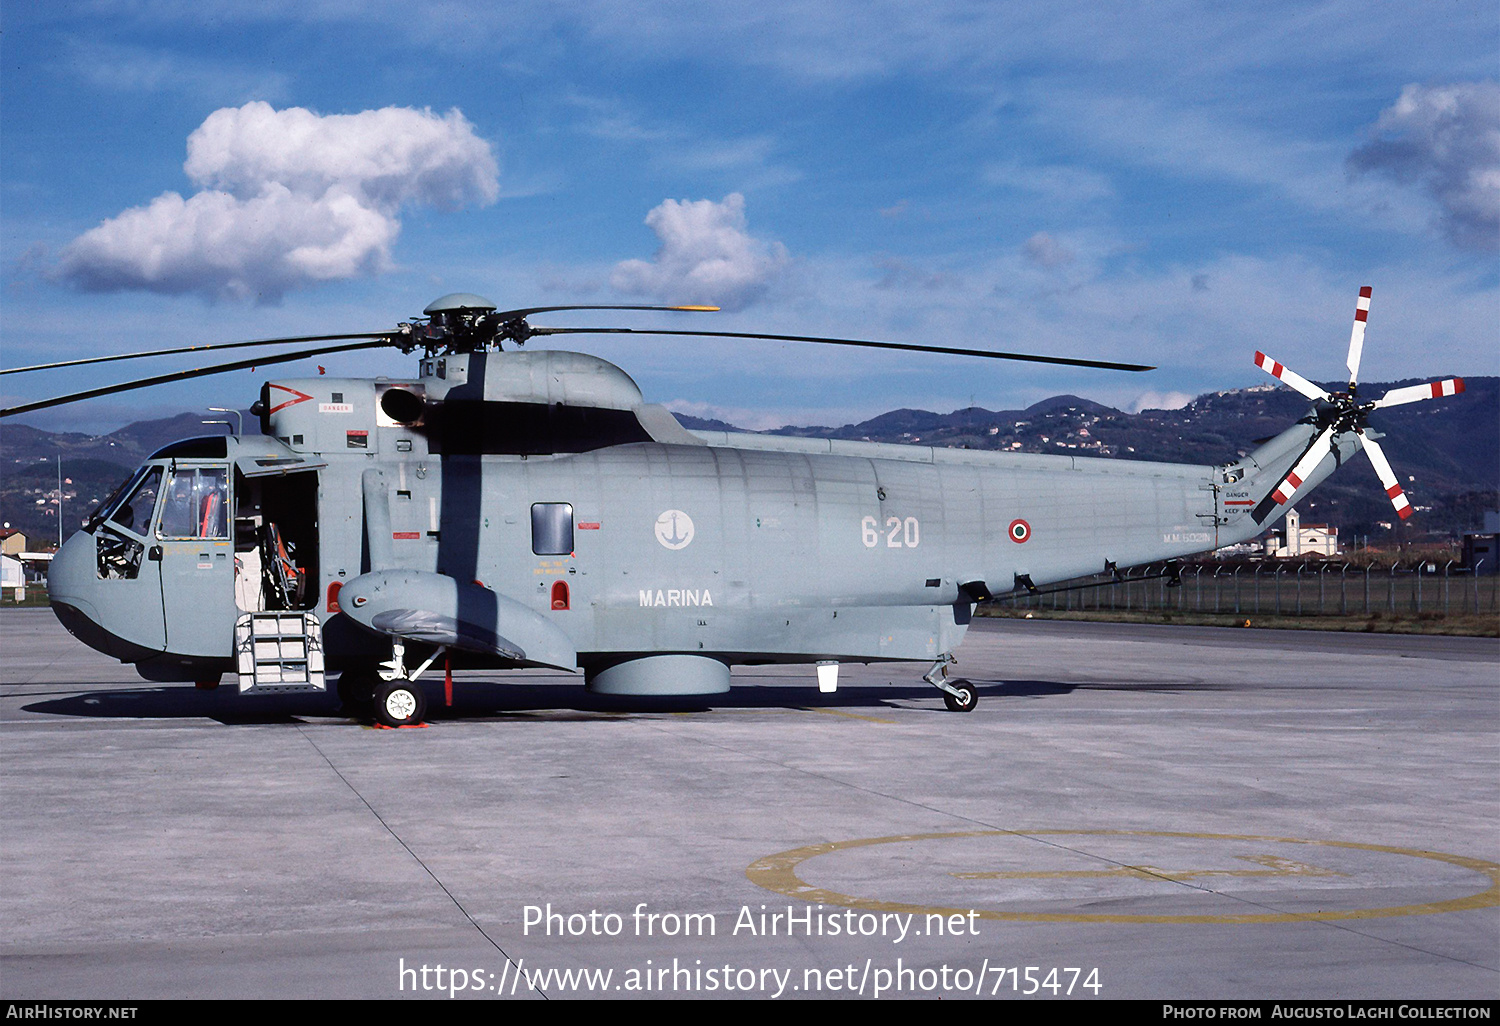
(634, 537)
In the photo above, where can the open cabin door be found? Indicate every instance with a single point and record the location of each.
(277, 544)
(278, 640)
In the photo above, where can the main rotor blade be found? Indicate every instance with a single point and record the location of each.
(1416, 393)
(906, 346)
(1287, 489)
(1386, 474)
(1290, 377)
(528, 311)
(1357, 337)
(196, 349)
(197, 372)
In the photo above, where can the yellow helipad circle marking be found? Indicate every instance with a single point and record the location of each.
(779, 873)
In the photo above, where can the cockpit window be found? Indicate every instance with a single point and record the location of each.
(134, 513)
(107, 507)
(196, 505)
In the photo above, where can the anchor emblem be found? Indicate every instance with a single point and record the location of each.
(674, 529)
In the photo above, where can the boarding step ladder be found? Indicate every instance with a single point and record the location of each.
(279, 651)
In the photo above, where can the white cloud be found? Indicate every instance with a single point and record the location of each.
(289, 198)
(1447, 139)
(1045, 251)
(706, 256)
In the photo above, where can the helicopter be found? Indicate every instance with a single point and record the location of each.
(511, 508)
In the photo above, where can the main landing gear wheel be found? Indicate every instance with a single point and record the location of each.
(965, 701)
(399, 703)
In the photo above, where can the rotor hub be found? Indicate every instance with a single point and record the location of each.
(459, 322)
(1344, 412)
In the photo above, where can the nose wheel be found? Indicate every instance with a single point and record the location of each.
(960, 696)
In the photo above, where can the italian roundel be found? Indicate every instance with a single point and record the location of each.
(1020, 530)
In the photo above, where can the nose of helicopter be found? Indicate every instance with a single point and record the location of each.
(71, 578)
(73, 588)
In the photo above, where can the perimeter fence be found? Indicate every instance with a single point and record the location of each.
(1279, 587)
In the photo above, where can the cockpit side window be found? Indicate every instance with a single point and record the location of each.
(125, 522)
(107, 507)
(196, 505)
(134, 514)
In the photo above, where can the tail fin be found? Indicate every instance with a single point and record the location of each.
(1289, 465)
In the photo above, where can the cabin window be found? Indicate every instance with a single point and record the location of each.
(552, 528)
(196, 505)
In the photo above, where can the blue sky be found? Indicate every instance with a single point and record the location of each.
(1178, 185)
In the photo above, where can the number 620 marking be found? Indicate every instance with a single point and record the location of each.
(899, 533)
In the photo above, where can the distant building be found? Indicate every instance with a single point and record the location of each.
(1294, 538)
(12, 576)
(1482, 552)
(1252, 549)
(12, 541)
(1481, 549)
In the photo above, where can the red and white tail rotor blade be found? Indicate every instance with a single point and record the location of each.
(1320, 448)
(1416, 393)
(1386, 474)
(1290, 377)
(1357, 337)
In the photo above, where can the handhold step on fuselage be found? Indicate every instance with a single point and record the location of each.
(279, 651)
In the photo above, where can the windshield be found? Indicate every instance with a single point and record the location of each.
(134, 512)
(107, 507)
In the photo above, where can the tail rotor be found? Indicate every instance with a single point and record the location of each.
(1341, 413)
